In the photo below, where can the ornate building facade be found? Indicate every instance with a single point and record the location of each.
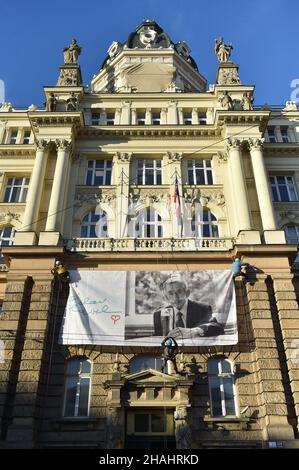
(90, 181)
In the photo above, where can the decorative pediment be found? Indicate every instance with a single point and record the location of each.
(151, 377)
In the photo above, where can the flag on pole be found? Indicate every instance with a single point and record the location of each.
(177, 202)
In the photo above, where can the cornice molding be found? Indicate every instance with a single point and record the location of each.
(54, 119)
(151, 131)
(17, 150)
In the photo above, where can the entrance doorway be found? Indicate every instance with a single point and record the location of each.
(150, 429)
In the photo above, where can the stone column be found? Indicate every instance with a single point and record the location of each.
(2, 131)
(103, 117)
(195, 116)
(287, 311)
(172, 117)
(125, 113)
(175, 169)
(273, 411)
(262, 184)
(148, 116)
(238, 183)
(181, 116)
(58, 187)
(34, 196)
(70, 201)
(133, 116)
(277, 133)
(163, 116)
(117, 116)
(121, 164)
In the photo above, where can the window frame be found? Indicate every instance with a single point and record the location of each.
(13, 136)
(296, 227)
(106, 170)
(221, 376)
(77, 398)
(27, 139)
(142, 165)
(144, 358)
(271, 137)
(275, 186)
(91, 223)
(143, 223)
(199, 224)
(9, 239)
(23, 188)
(200, 165)
(284, 135)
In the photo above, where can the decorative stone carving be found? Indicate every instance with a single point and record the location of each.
(114, 49)
(290, 106)
(222, 157)
(255, 144)
(204, 196)
(247, 101)
(183, 49)
(9, 216)
(63, 144)
(51, 103)
(124, 156)
(116, 363)
(226, 101)
(69, 77)
(85, 197)
(72, 103)
(149, 197)
(228, 76)
(6, 107)
(147, 36)
(233, 143)
(42, 144)
(174, 156)
(71, 53)
(32, 107)
(223, 51)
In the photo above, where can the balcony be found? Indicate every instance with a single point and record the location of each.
(149, 244)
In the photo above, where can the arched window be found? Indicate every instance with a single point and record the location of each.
(145, 362)
(204, 224)
(149, 224)
(7, 236)
(77, 388)
(222, 387)
(292, 234)
(94, 225)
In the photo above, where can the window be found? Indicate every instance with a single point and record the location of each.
(204, 224)
(94, 225)
(77, 388)
(6, 236)
(149, 172)
(202, 119)
(95, 119)
(110, 119)
(140, 119)
(16, 189)
(150, 422)
(271, 135)
(284, 135)
(283, 188)
(222, 387)
(26, 137)
(200, 172)
(99, 172)
(292, 234)
(187, 119)
(149, 224)
(13, 137)
(156, 119)
(145, 362)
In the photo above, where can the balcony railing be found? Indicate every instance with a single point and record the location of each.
(149, 244)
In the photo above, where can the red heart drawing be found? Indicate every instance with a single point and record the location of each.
(115, 318)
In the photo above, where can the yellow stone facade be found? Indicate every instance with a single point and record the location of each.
(149, 117)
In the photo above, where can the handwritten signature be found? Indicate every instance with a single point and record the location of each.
(80, 307)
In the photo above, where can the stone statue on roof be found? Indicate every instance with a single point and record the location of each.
(223, 51)
(71, 53)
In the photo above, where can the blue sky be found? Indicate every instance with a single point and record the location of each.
(33, 33)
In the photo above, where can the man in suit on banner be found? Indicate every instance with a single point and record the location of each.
(184, 318)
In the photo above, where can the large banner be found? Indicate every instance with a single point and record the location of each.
(141, 308)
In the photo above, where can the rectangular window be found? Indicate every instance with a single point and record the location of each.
(140, 119)
(283, 188)
(16, 189)
(95, 119)
(271, 135)
(200, 172)
(284, 135)
(149, 172)
(99, 172)
(26, 137)
(156, 119)
(187, 117)
(13, 137)
(110, 119)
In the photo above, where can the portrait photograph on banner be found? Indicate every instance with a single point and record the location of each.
(142, 307)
